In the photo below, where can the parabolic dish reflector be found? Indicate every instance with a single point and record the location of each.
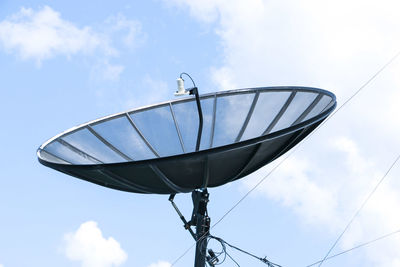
(152, 149)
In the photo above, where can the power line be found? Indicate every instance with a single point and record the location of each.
(327, 119)
(294, 149)
(364, 85)
(223, 243)
(252, 189)
(233, 259)
(359, 210)
(340, 253)
(184, 253)
(356, 247)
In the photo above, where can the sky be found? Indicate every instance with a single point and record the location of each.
(63, 63)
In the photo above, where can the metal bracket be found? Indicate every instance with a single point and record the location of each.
(186, 225)
(202, 223)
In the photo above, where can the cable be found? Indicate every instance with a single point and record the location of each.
(359, 210)
(184, 73)
(232, 259)
(295, 148)
(356, 247)
(223, 243)
(219, 253)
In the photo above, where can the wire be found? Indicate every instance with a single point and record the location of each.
(223, 243)
(319, 126)
(359, 210)
(356, 247)
(251, 190)
(295, 148)
(183, 254)
(232, 259)
(219, 253)
(361, 88)
(184, 73)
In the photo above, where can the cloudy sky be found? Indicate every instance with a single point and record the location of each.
(63, 63)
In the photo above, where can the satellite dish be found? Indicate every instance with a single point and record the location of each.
(167, 149)
(152, 149)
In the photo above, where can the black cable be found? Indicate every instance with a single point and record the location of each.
(218, 253)
(184, 73)
(359, 210)
(195, 91)
(356, 247)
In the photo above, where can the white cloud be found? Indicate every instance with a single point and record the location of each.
(104, 70)
(293, 189)
(155, 91)
(292, 42)
(1, 265)
(325, 194)
(205, 10)
(146, 91)
(43, 34)
(131, 29)
(88, 246)
(160, 264)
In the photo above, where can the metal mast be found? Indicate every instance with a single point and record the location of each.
(201, 221)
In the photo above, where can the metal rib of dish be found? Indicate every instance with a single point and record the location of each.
(152, 149)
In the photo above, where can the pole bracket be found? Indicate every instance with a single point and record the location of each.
(202, 222)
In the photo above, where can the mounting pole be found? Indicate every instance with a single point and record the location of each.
(202, 222)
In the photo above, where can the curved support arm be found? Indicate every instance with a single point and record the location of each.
(184, 73)
(194, 91)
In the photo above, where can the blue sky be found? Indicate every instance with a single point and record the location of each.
(63, 63)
